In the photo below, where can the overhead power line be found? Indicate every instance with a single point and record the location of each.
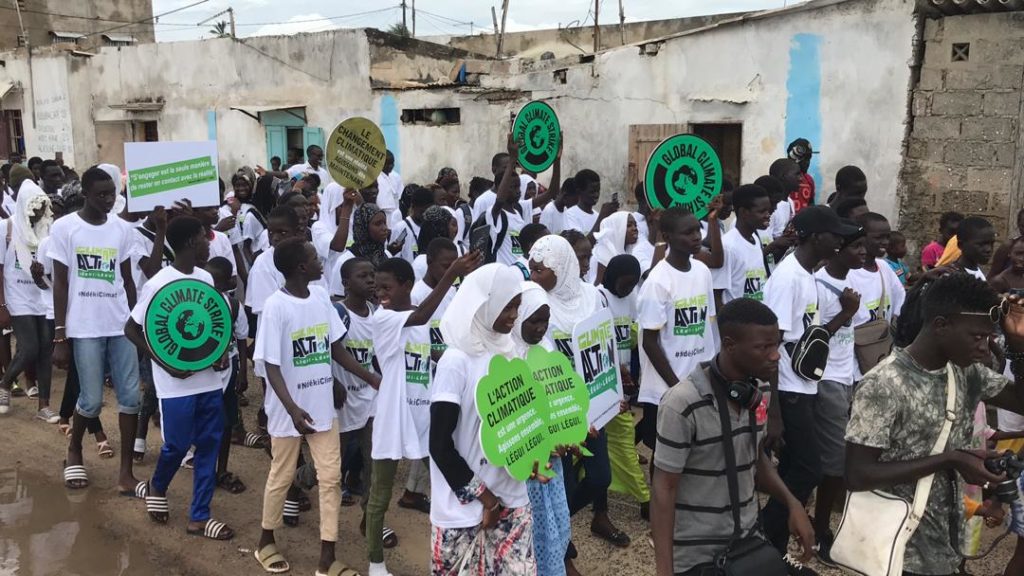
(144, 20)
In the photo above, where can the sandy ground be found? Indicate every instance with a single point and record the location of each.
(113, 535)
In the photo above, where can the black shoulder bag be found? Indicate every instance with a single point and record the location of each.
(749, 555)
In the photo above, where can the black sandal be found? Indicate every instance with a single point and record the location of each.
(231, 483)
(213, 530)
(616, 537)
(158, 509)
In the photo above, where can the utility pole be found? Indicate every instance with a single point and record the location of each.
(501, 35)
(403, 15)
(497, 41)
(622, 25)
(414, 18)
(231, 16)
(597, 27)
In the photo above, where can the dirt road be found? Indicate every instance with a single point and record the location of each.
(45, 529)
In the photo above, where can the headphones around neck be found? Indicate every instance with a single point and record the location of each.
(746, 393)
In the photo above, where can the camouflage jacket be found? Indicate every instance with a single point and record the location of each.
(900, 407)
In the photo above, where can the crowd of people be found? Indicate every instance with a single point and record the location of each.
(370, 315)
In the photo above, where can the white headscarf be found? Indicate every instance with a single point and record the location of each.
(26, 236)
(115, 175)
(524, 182)
(534, 297)
(572, 299)
(611, 238)
(467, 324)
(332, 197)
(460, 221)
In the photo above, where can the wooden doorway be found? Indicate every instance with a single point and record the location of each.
(727, 140)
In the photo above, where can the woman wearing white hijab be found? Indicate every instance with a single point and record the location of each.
(24, 304)
(482, 524)
(553, 265)
(618, 235)
(120, 202)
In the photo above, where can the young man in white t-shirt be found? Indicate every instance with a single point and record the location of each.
(582, 216)
(792, 294)
(93, 293)
(676, 313)
(191, 403)
(401, 340)
(976, 239)
(881, 290)
(744, 274)
(840, 310)
(300, 334)
(422, 198)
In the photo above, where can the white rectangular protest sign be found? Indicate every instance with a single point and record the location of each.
(597, 361)
(160, 173)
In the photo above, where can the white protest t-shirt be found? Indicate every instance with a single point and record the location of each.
(552, 218)
(299, 170)
(743, 274)
(403, 401)
(792, 294)
(248, 222)
(335, 286)
(842, 364)
(166, 385)
(361, 403)
(296, 334)
(47, 263)
(455, 382)
(624, 312)
(143, 248)
(420, 291)
(780, 218)
(241, 332)
(510, 248)
(483, 203)
(870, 286)
(234, 234)
(97, 302)
(411, 229)
(576, 219)
(261, 243)
(681, 306)
(265, 279)
(23, 297)
(220, 245)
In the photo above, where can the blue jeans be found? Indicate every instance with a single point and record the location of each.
(92, 357)
(186, 421)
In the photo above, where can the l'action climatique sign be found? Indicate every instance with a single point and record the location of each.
(188, 325)
(529, 407)
(356, 153)
(684, 170)
(539, 135)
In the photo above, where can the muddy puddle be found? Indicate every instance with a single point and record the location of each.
(46, 530)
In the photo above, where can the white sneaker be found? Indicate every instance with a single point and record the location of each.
(5, 401)
(33, 392)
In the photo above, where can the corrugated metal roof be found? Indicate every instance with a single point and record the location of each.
(956, 7)
(119, 38)
(66, 35)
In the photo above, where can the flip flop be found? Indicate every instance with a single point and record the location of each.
(268, 556)
(64, 429)
(140, 492)
(157, 508)
(615, 537)
(250, 440)
(346, 498)
(419, 503)
(104, 450)
(213, 530)
(390, 539)
(338, 569)
(75, 476)
(230, 482)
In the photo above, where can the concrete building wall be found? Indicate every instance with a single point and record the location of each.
(40, 17)
(838, 75)
(965, 149)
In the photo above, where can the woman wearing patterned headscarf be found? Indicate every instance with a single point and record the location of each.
(438, 222)
(369, 233)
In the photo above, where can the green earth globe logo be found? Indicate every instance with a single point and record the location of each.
(188, 326)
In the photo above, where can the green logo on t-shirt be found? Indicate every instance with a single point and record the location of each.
(517, 247)
(311, 346)
(624, 333)
(753, 286)
(691, 315)
(362, 351)
(96, 263)
(436, 339)
(417, 364)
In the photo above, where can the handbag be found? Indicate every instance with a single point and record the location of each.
(876, 526)
(872, 341)
(749, 555)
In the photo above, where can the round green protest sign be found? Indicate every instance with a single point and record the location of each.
(539, 135)
(355, 153)
(188, 325)
(684, 170)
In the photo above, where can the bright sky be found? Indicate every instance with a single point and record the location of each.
(434, 17)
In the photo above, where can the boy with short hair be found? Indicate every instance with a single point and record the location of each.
(93, 293)
(882, 293)
(895, 255)
(191, 403)
(300, 333)
(676, 311)
(976, 239)
(402, 346)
